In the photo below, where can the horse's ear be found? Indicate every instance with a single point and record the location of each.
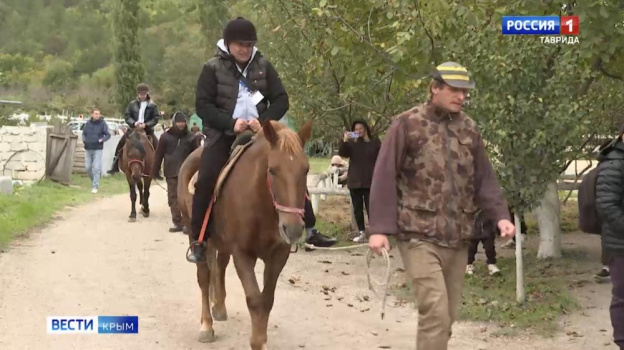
(269, 133)
(305, 132)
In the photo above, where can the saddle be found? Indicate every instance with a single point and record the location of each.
(240, 145)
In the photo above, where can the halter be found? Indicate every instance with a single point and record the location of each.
(141, 162)
(278, 206)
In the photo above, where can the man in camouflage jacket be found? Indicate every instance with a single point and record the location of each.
(431, 177)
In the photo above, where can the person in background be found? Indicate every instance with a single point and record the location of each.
(175, 145)
(362, 149)
(339, 166)
(485, 231)
(140, 113)
(94, 134)
(431, 176)
(195, 128)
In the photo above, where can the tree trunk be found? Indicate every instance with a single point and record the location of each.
(548, 215)
(520, 296)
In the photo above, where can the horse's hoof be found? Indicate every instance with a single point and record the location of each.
(145, 214)
(132, 219)
(219, 315)
(206, 336)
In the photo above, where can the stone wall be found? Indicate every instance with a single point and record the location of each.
(22, 152)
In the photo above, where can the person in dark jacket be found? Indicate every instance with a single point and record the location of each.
(141, 113)
(485, 231)
(94, 134)
(362, 149)
(174, 147)
(610, 207)
(237, 90)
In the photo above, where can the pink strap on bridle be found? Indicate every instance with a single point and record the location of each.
(140, 162)
(278, 206)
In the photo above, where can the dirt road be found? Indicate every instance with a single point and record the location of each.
(91, 262)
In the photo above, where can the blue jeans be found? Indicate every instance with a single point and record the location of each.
(93, 164)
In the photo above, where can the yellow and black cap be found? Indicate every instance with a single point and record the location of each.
(453, 74)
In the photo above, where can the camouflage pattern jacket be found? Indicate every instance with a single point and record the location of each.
(431, 176)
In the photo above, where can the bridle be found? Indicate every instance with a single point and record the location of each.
(141, 162)
(278, 206)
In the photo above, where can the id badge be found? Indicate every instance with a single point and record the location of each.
(256, 97)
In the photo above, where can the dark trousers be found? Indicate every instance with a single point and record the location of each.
(359, 198)
(616, 268)
(213, 159)
(309, 219)
(172, 200)
(488, 245)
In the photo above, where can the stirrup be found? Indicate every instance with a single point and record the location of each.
(188, 251)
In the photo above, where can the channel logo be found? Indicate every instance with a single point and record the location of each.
(92, 324)
(540, 25)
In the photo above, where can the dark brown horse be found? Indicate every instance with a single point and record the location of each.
(136, 161)
(257, 215)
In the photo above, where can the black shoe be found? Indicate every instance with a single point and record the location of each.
(320, 240)
(603, 276)
(186, 230)
(176, 228)
(198, 253)
(115, 167)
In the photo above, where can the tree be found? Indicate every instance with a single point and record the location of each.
(213, 16)
(127, 54)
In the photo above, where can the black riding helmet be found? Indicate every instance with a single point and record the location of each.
(240, 29)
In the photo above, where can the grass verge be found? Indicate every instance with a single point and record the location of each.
(548, 288)
(32, 206)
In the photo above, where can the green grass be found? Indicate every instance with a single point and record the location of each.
(32, 206)
(318, 165)
(548, 286)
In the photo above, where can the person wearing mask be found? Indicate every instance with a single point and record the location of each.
(361, 148)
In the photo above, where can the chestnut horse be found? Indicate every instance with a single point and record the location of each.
(136, 161)
(258, 214)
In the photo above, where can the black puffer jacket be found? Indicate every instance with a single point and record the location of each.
(150, 117)
(610, 198)
(217, 91)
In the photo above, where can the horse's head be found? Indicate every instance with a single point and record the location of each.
(286, 176)
(136, 153)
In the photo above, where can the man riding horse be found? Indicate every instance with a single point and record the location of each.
(237, 90)
(140, 113)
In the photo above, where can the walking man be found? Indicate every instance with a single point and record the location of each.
(431, 176)
(610, 207)
(94, 134)
(175, 145)
(140, 113)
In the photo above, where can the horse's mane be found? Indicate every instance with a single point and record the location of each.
(288, 140)
(136, 142)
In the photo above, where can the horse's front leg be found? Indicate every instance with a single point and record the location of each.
(245, 268)
(145, 210)
(133, 197)
(219, 311)
(206, 332)
(272, 269)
